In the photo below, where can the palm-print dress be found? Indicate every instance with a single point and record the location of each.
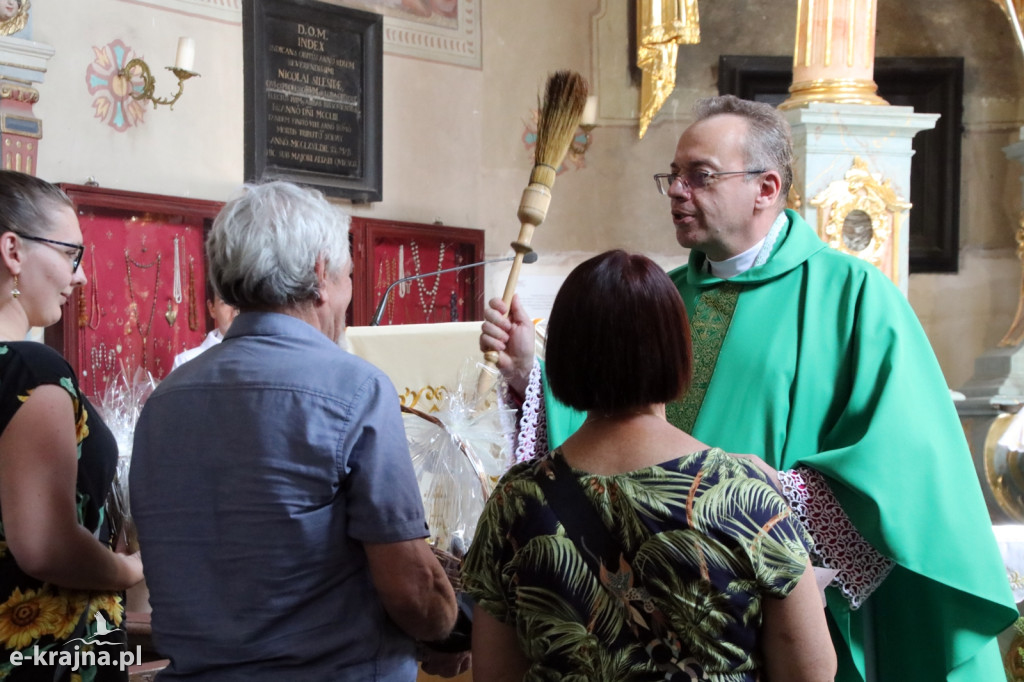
(35, 615)
(710, 540)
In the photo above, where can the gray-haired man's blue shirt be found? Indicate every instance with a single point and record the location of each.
(258, 471)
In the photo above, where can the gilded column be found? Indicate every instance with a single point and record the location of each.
(834, 57)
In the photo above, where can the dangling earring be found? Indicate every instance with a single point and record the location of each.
(15, 292)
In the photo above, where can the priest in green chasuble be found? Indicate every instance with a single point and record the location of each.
(814, 361)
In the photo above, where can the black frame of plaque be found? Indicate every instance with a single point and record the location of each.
(307, 151)
(928, 84)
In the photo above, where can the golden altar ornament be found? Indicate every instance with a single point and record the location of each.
(1014, 11)
(1015, 334)
(1003, 471)
(860, 215)
(662, 26)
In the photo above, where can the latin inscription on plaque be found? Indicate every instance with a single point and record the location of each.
(314, 98)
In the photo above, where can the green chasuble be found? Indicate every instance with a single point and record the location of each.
(816, 359)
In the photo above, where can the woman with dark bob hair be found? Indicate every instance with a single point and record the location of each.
(633, 551)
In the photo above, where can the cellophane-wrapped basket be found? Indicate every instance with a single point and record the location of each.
(120, 406)
(458, 453)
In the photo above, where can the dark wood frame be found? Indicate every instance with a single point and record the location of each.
(364, 34)
(366, 232)
(928, 84)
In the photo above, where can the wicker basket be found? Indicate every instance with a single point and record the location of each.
(452, 566)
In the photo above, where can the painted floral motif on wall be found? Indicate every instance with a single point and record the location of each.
(112, 102)
(572, 160)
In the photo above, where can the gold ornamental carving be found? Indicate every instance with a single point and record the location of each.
(860, 215)
(834, 91)
(14, 20)
(1015, 334)
(18, 93)
(425, 399)
(1004, 469)
(1014, 11)
(662, 26)
(793, 199)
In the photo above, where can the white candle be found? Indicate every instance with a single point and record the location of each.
(589, 116)
(186, 58)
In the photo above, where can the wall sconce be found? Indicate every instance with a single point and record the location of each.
(581, 142)
(183, 63)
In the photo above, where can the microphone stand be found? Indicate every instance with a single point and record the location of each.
(379, 312)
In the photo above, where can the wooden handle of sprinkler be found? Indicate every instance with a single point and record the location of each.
(533, 208)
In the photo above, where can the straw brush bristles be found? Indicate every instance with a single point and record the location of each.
(560, 112)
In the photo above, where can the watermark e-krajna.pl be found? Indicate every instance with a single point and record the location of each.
(78, 658)
(81, 657)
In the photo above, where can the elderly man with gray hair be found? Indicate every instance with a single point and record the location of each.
(271, 481)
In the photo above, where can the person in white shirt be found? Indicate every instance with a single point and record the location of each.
(222, 314)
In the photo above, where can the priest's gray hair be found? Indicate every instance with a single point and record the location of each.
(264, 245)
(769, 143)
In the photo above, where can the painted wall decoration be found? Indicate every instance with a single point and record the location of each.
(445, 31)
(228, 11)
(112, 102)
(438, 30)
(571, 161)
(437, 12)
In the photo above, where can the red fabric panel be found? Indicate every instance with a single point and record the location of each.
(127, 313)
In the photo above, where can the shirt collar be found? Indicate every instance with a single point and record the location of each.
(755, 255)
(730, 267)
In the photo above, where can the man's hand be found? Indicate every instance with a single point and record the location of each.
(510, 332)
(444, 664)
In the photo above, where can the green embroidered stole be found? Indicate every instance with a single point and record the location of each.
(709, 323)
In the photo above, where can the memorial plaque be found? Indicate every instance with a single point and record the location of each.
(313, 96)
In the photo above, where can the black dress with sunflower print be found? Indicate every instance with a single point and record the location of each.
(38, 619)
(710, 539)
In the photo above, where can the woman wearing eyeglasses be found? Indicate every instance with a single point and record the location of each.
(60, 578)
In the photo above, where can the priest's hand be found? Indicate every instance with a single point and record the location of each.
(509, 331)
(444, 664)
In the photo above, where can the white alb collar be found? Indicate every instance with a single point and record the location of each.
(756, 255)
(730, 267)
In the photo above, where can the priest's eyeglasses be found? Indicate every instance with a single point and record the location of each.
(695, 178)
(76, 257)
